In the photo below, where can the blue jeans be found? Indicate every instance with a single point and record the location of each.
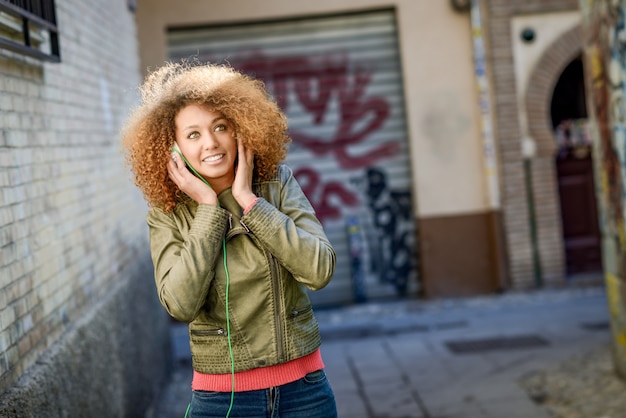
(309, 397)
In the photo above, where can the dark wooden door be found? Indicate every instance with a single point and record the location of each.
(581, 232)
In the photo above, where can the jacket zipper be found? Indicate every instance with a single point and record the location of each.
(299, 311)
(205, 332)
(277, 299)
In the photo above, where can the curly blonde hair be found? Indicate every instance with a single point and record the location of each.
(150, 130)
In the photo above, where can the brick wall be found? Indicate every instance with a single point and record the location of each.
(508, 133)
(545, 187)
(72, 225)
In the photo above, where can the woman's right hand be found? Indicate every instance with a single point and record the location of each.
(191, 185)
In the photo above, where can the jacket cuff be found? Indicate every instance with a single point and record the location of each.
(263, 217)
(209, 221)
(246, 210)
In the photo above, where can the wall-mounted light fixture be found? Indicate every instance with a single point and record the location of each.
(527, 35)
(461, 5)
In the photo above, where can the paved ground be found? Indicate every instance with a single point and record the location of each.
(466, 358)
(583, 386)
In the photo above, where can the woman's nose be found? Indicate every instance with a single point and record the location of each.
(209, 141)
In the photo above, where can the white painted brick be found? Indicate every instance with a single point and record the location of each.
(12, 120)
(61, 174)
(7, 316)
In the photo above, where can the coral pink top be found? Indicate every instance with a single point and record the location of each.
(261, 378)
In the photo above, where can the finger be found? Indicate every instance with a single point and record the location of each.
(175, 158)
(245, 153)
(173, 165)
(250, 158)
(241, 152)
(241, 149)
(172, 172)
(176, 172)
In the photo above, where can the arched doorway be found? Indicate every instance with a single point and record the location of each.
(574, 169)
(560, 64)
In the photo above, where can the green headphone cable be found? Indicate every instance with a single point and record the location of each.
(230, 344)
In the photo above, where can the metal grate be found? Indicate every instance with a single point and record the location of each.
(356, 331)
(496, 343)
(596, 326)
(43, 9)
(29, 27)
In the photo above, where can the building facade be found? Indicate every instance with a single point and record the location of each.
(433, 138)
(445, 145)
(548, 201)
(81, 330)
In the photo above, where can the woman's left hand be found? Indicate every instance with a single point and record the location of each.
(242, 186)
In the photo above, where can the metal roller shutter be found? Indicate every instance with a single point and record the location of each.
(338, 80)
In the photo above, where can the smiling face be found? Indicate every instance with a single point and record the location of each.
(208, 141)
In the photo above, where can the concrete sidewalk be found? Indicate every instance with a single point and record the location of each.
(434, 359)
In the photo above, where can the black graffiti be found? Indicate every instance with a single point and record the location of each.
(391, 212)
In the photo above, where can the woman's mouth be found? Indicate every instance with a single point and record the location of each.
(213, 158)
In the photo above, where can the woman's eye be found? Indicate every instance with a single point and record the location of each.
(193, 135)
(220, 128)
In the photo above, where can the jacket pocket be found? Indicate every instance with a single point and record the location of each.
(208, 332)
(209, 350)
(302, 312)
(302, 323)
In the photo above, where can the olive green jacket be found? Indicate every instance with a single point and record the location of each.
(272, 253)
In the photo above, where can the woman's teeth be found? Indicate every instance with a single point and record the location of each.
(213, 158)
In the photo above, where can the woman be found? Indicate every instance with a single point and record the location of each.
(234, 241)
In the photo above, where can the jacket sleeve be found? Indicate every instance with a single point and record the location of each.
(293, 234)
(184, 269)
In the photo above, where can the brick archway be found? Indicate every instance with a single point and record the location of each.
(543, 167)
(541, 86)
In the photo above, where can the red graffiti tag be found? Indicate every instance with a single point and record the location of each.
(321, 194)
(315, 82)
(353, 109)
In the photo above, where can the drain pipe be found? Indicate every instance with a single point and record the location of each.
(532, 221)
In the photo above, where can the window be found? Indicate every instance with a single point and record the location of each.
(29, 27)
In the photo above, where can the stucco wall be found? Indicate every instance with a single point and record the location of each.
(78, 318)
